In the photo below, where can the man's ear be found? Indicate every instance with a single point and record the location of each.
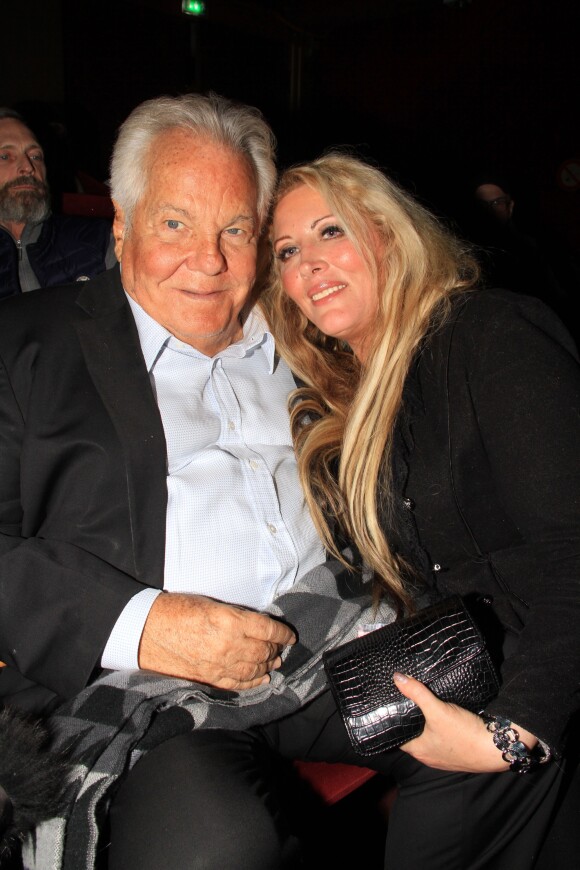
(119, 230)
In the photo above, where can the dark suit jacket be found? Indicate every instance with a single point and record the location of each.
(491, 459)
(82, 480)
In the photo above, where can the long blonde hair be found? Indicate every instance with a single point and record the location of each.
(343, 420)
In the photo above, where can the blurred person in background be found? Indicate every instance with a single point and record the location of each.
(37, 248)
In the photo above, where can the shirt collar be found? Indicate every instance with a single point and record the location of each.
(32, 230)
(154, 338)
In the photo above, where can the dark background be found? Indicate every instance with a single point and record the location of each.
(436, 92)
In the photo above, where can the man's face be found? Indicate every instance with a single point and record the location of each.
(189, 256)
(23, 188)
(494, 198)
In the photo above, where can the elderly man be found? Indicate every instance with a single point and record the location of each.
(146, 447)
(38, 249)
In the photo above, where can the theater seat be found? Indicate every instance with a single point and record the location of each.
(332, 782)
(87, 205)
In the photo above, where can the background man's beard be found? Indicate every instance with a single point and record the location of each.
(24, 206)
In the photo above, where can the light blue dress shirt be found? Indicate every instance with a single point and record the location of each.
(237, 526)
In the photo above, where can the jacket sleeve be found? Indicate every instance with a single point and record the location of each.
(524, 385)
(58, 602)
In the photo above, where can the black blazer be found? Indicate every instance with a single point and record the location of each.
(490, 452)
(82, 480)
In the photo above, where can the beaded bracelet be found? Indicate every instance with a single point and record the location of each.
(518, 756)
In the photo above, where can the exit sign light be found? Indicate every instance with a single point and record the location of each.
(193, 7)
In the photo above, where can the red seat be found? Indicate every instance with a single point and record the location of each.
(87, 205)
(88, 184)
(332, 782)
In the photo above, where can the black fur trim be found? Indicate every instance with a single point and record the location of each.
(32, 778)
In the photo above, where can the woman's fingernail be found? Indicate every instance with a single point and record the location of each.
(400, 678)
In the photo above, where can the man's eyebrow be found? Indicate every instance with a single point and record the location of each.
(169, 206)
(248, 218)
(11, 145)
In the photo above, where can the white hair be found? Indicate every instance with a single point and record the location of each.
(239, 127)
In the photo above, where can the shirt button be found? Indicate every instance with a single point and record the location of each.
(253, 464)
(272, 528)
(409, 504)
(436, 567)
(231, 425)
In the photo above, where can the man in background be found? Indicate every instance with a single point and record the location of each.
(38, 249)
(513, 258)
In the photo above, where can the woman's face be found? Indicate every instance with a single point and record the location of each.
(321, 270)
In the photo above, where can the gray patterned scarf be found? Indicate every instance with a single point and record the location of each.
(114, 721)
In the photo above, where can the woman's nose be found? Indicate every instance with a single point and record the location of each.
(311, 263)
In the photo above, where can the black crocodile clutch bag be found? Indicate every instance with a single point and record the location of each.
(441, 646)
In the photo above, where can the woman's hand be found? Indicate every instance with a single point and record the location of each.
(453, 739)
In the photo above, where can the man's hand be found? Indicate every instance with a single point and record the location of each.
(197, 638)
(453, 739)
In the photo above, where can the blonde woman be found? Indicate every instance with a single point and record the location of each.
(438, 428)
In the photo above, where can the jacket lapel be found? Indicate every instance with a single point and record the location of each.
(113, 356)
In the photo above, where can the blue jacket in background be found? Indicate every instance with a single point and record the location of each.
(68, 249)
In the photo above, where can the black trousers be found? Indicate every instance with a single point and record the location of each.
(212, 799)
